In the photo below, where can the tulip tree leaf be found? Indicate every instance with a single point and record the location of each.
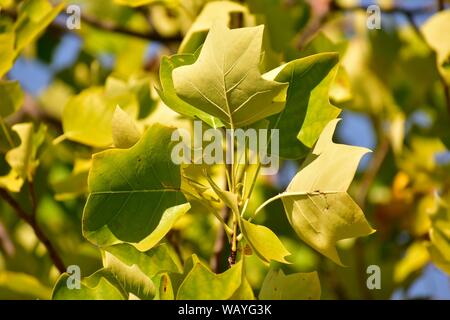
(213, 12)
(34, 17)
(135, 270)
(203, 284)
(316, 201)
(264, 242)
(308, 109)
(133, 191)
(125, 132)
(164, 283)
(297, 286)
(102, 285)
(88, 116)
(225, 81)
(23, 159)
(169, 96)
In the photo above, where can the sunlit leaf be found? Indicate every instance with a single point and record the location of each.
(316, 201)
(102, 285)
(225, 80)
(213, 12)
(169, 96)
(134, 193)
(125, 132)
(264, 242)
(308, 109)
(297, 286)
(202, 284)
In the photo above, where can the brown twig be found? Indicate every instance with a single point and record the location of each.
(372, 171)
(108, 26)
(112, 27)
(31, 220)
(219, 244)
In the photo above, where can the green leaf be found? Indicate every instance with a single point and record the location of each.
(23, 159)
(415, 258)
(125, 132)
(203, 284)
(75, 184)
(7, 54)
(308, 109)
(87, 118)
(102, 285)
(283, 20)
(135, 193)
(316, 201)
(169, 96)
(19, 286)
(244, 292)
(297, 286)
(34, 17)
(225, 81)
(264, 242)
(213, 12)
(164, 283)
(136, 85)
(11, 97)
(438, 40)
(136, 270)
(157, 260)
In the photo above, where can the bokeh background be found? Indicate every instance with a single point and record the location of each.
(389, 89)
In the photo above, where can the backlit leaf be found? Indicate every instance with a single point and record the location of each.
(225, 80)
(134, 193)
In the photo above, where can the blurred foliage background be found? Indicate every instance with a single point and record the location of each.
(392, 84)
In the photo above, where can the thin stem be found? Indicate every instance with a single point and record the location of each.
(219, 244)
(221, 238)
(287, 194)
(31, 220)
(7, 135)
(233, 253)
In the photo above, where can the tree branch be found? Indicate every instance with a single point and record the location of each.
(111, 27)
(107, 26)
(31, 220)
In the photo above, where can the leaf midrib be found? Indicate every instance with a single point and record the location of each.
(135, 191)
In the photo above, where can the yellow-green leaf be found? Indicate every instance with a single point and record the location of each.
(213, 12)
(264, 242)
(11, 97)
(316, 201)
(297, 286)
(433, 31)
(225, 81)
(135, 194)
(203, 284)
(102, 285)
(125, 132)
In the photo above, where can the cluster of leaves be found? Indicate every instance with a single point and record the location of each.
(99, 180)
